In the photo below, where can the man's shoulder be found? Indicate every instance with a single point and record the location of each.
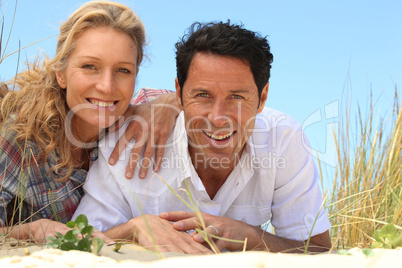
(270, 118)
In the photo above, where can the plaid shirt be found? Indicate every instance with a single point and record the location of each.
(147, 94)
(28, 191)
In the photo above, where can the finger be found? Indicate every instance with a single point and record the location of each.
(135, 130)
(147, 160)
(159, 152)
(197, 248)
(118, 124)
(179, 242)
(187, 245)
(176, 215)
(209, 231)
(132, 162)
(187, 224)
(118, 149)
(221, 244)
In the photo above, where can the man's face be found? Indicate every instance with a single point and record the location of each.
(220, 101)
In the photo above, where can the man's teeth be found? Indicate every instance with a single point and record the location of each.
(102, 103)
(219, 137)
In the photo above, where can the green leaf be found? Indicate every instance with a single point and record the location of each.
(397, 241)
(377, 236)
(51, 238)
(97, 243)
(388, 230)
(84, 245)
(53, 244)
(368, 252)
(81, 226)
(76, 231)
(67, 246)
(70, 224)
(117, 247)
(87, 230)
(376, 245)
(1, 235)
(70, 236)
(59, 235)
(82, 219)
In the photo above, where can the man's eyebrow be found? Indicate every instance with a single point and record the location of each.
(193, 90)
(239, 91)
(231, 91)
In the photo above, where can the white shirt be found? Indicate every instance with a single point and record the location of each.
(275, 180)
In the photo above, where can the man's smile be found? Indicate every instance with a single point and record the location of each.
(220, 137)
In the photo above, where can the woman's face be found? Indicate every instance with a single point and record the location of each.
(99, 80)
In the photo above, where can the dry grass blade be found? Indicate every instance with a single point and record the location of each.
(367, 191)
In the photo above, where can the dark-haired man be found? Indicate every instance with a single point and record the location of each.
(241, 164)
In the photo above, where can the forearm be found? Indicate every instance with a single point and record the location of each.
(258, 239)
(123, 231)
(19, 231)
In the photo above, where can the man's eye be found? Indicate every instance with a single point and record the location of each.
(202, 95)
(237, 97)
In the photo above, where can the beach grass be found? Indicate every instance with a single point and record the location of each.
(366, 192)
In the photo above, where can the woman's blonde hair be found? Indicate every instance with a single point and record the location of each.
(38, 107)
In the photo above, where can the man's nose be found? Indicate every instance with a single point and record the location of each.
(217, 115)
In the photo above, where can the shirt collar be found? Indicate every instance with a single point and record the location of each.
(180, 139)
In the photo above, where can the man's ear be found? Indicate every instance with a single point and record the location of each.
(178, 94)
(263, 99)
(61, 80)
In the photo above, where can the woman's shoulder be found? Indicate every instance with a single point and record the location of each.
(14, 149)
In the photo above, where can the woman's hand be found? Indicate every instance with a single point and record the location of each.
(39, 230)
(151, 124)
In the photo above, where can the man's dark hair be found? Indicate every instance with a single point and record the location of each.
(227, 40)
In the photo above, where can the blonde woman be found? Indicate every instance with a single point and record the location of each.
(51, 124)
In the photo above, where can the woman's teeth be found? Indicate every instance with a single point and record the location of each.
(101, 103)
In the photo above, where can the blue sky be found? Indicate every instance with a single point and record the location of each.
(323, 50)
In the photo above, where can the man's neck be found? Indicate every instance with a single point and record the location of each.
(213, 175)
(213, 179)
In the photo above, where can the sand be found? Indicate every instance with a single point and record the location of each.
(135, 256)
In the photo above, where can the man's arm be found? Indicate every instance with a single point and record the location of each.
(261, 240)
(154, 115)
(254, 238)
(108, 209)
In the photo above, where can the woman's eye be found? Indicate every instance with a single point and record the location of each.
(88, 66)
(124, 70)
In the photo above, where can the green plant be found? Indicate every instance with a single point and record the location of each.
(367, 189)
(387, 237)
(78, 238)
